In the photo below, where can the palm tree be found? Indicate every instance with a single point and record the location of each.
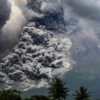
(39, 97)
(57, 90)
(82, 94)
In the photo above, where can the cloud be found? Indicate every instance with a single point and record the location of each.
(85, 8)
(4, 12)
(14, 24)
(19, 15)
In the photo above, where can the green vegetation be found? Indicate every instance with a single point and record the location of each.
(57, 91)
(82, 94)
(37, 97)
(10, 95)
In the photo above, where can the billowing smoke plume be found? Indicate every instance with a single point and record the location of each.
(14, 14)
(85, 12)
(82, 27)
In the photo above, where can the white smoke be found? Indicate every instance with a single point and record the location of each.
(14, 24)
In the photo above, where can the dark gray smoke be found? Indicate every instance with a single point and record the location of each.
(84, 8)
(5, 10)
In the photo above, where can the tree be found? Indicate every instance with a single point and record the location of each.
(57, 90)
(27, 99)
(82, 94)
(10, 95)
(38, 97)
